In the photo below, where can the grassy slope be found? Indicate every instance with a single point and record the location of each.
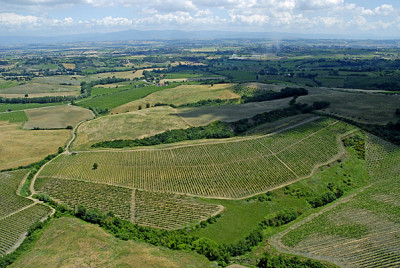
(181, 95)
(56, 116)
(69, 242)
(21, 147)
(131, 125)
(240, 217)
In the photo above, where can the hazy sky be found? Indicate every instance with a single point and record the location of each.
(379, 18)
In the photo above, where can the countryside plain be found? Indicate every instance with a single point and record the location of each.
(200, 154)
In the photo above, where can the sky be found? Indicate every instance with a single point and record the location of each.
(353, 18)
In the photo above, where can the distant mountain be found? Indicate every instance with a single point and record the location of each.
(153, 35)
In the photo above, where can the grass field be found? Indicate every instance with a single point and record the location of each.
(14, 117)
(69, 242)
(56, 117)
(181, 95)
(225, 169)
(70, 66)
(126, 74)
(21, 147)
(198, 116)
(363, 231)
(125, 95)
(18, 106)
(35, 88)
(137, 124)
(36, 95)
(359, 107)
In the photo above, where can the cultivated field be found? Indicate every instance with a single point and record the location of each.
(160, 210)
(137, 124)
(22, 147)
(35, 88)
(359, 107)
(363, 231)
(17, 213)
(69, 242)
(10, 201)
(15, 226)
(56, 117)
(222, 170)
(198, 116)
(181, 95)
(126, 74)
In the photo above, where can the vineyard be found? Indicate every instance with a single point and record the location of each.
(10, 201)
(91, 195)
(161, 210)
(363, 232)
(170, 211)
(14, 227)
(223, 170)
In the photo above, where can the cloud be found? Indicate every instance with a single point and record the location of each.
(12, 19)
(319, 4)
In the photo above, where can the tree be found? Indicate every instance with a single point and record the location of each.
(95, 166)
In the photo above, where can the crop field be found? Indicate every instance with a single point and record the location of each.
(91, 195)
(20, 147)
(198, 116)
(14, 117)
(35, 88)
(10, 201)
(364, 231)
(73, 80)
(14, 227)
(160, 210)
(181, 95)
(225, 169)
(18, 106)
(137, 124)
(358, 107)
(170, 211)
(56, 117)
(125, 95)
(126, 74)
(69, 65)
(70, 242)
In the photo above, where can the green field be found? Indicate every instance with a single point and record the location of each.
(14, 117)
(121, 97)
(71, 242)
(137, 124)
(180, 95)
(17, 106)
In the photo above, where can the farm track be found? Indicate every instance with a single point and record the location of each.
(276, 240)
